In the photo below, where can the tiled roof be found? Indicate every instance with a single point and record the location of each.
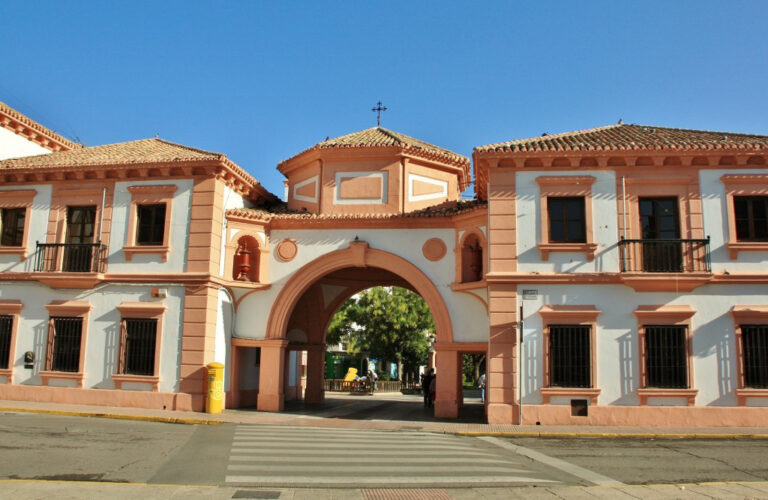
(282, 212)
(381, 137)
(121, 153)
(31, 124)
(630, 137)
(141, 152)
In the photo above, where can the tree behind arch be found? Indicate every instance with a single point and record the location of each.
(389, 323)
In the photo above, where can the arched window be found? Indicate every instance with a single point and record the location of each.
(246, 261)
(471, 259)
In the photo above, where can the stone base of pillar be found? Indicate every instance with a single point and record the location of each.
(503, 413)
(270, 402)
(446, 409)
(314, 397)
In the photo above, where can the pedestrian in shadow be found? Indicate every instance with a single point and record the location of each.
(426, 380)
(432, 390)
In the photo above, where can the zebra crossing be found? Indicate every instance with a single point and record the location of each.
(271, 456)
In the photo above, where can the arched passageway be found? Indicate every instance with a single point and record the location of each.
(303, 309)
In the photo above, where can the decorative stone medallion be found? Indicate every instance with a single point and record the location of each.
(434, 249)
(287, 250)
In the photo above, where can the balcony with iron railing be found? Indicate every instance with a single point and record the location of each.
(70, 265)
(684, 263)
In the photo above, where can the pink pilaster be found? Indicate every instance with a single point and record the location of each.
(447, 371)
(272, 375)
(315, 394)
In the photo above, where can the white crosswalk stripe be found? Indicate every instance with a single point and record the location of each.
(294, 457)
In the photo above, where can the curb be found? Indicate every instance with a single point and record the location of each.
(509, 434)
(614, 435)
(116, 416)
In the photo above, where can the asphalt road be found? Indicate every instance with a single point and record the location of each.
(46, 447)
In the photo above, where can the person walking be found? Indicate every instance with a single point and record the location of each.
(481, 385)
(426, 380)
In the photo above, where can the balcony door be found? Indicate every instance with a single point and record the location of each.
(659, 221)
(78, 251)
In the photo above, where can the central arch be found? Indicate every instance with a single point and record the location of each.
(359, 254)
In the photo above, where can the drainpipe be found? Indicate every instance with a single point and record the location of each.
(520, 368)
(101, 214)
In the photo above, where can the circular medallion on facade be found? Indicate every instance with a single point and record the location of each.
(434, 249)
(287, 250)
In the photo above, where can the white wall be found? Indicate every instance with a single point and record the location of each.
(468, 316)
(102, 342)
(143, 263)
(716, 223)
(714, 352)
(12, 145)
(604, 223)
(38, 227)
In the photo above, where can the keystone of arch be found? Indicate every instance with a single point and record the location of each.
(359, 254)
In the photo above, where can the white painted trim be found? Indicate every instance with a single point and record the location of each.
(312, 180)
(426, 180)
(360, 201)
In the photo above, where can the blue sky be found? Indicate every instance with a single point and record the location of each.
(261, 81)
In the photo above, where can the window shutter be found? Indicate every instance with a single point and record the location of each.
(121, 352)
(49, 347)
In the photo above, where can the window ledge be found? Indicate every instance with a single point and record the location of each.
(734, 247)
(120, 379)
(20, 251)
(688, 394)
(76, 376)
(587, 248)
(748, 392)
(589, 392)
(469, 285)
(162, 250)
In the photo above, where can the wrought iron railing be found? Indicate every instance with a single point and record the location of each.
(665, 256)
(71, 257)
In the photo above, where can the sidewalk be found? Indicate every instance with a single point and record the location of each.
(23, 489)
(437, 426)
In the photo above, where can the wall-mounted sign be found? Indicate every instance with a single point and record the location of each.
(531, 294)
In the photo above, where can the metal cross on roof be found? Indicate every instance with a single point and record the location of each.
(378, 109)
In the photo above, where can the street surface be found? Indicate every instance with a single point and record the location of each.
(39, 447)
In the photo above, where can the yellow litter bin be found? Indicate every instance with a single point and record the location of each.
(214, 400)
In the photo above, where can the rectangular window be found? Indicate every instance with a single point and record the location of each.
(65, 351)
(751, 217)
(566, 219)
(12, 220)
(569, 356)
(666, 358)
(139, 335)
(150, 226)
(755, 348)
(6, 325)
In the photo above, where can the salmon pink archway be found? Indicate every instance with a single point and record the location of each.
(357, 255)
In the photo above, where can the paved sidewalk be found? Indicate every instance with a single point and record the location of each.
(23, 489)
(438, 426)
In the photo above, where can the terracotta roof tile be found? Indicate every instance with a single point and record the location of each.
(381, 137)
(35, 126)
(282, 212)
(140, 152)
(630, 137)
(131, 152)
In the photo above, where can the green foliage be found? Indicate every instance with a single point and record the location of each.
(388, 323)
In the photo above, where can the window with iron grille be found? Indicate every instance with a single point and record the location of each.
(666, 357)
(138, 346)
(754, 340)
(6, 325)
(569, 356)
(64, 344)
(751, 217)
(12, 226)
(566, 219)
(150, 226)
